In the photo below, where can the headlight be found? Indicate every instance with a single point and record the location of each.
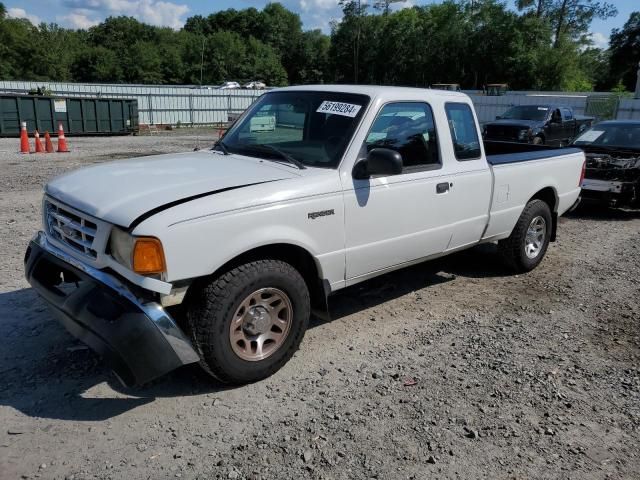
(143, 255)
(121, 246)
(525, 134)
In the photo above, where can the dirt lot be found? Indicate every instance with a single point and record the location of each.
(451, 369)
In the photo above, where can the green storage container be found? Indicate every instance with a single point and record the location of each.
(79, 116)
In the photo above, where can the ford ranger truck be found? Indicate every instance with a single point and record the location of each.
(221, 256)
(537, 124)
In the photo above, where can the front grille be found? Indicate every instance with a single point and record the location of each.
(503, 132)
(70, 228)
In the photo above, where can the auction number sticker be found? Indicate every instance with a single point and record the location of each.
(339, 108)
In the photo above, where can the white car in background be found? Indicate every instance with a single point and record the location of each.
(229, 86)
(255, 85)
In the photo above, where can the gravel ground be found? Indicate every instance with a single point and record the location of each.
(450, 369)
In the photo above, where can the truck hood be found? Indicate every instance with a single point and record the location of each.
(120, 192)
(518, 123)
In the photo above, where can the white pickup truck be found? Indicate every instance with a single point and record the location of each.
(220, 256)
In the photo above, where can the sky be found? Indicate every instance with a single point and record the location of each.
(173, 13)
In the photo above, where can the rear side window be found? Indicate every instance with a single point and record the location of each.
(464, 133)
(566, 114)
(408, 128)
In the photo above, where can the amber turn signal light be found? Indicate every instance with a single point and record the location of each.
(148, 256)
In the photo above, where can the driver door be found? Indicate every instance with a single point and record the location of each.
(392, 220)
(556, 130)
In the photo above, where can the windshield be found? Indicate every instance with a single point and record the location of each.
(312, 128)
(526, 112)
(611, 135)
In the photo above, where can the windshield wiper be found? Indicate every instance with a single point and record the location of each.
(282, 154)
(220, 144)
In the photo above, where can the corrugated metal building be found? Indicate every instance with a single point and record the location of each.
(157, 104)
(195, 105)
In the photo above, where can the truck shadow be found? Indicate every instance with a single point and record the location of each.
(478, 262)
(46, 373)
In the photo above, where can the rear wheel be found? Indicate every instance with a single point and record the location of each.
(248, 322)
(525, 248)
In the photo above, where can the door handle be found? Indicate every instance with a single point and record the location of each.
(443, 187)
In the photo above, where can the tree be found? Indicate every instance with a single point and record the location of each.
(540, 7)
(543, 44)
(312, 60)
(96, 64)
(353, 11)
(625, 52)
(385, 5)
(570, 18)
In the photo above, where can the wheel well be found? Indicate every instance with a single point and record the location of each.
(548, 195)
(297, 257)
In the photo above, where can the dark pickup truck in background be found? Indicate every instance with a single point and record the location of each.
(612, 175)
(537, 124)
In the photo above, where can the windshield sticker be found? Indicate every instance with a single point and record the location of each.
(339, 108)
(544, 109)
(590, 136)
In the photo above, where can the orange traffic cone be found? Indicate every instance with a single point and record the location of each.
(62, 141)
(48, 145)
(37, 142)
(24, 139)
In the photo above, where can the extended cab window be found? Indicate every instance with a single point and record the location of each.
(407, 128)
(464, 133)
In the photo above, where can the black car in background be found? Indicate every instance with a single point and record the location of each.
(538, 124)
(612, 149)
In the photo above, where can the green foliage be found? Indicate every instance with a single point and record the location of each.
(620, 90)
(568, 18)
(543, 44)
(625, 52)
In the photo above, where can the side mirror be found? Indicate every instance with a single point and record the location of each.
(498, 117)
(379, 161)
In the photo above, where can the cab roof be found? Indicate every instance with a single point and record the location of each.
(376, 91)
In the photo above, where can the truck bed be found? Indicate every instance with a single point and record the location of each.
(500, 153)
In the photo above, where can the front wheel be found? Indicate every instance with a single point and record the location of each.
(525, 248)
(248, 322)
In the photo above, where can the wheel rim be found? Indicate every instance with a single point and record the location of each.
(536, 233)
(261, 324)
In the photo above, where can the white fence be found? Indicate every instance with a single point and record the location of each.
(196, 105)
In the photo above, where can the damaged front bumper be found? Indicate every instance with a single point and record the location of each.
(615, 193)
(138, 338)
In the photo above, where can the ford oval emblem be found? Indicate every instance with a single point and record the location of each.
(68, 231)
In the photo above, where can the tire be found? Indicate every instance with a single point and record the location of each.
(213, 305)
(519, 250)
(538, 140)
